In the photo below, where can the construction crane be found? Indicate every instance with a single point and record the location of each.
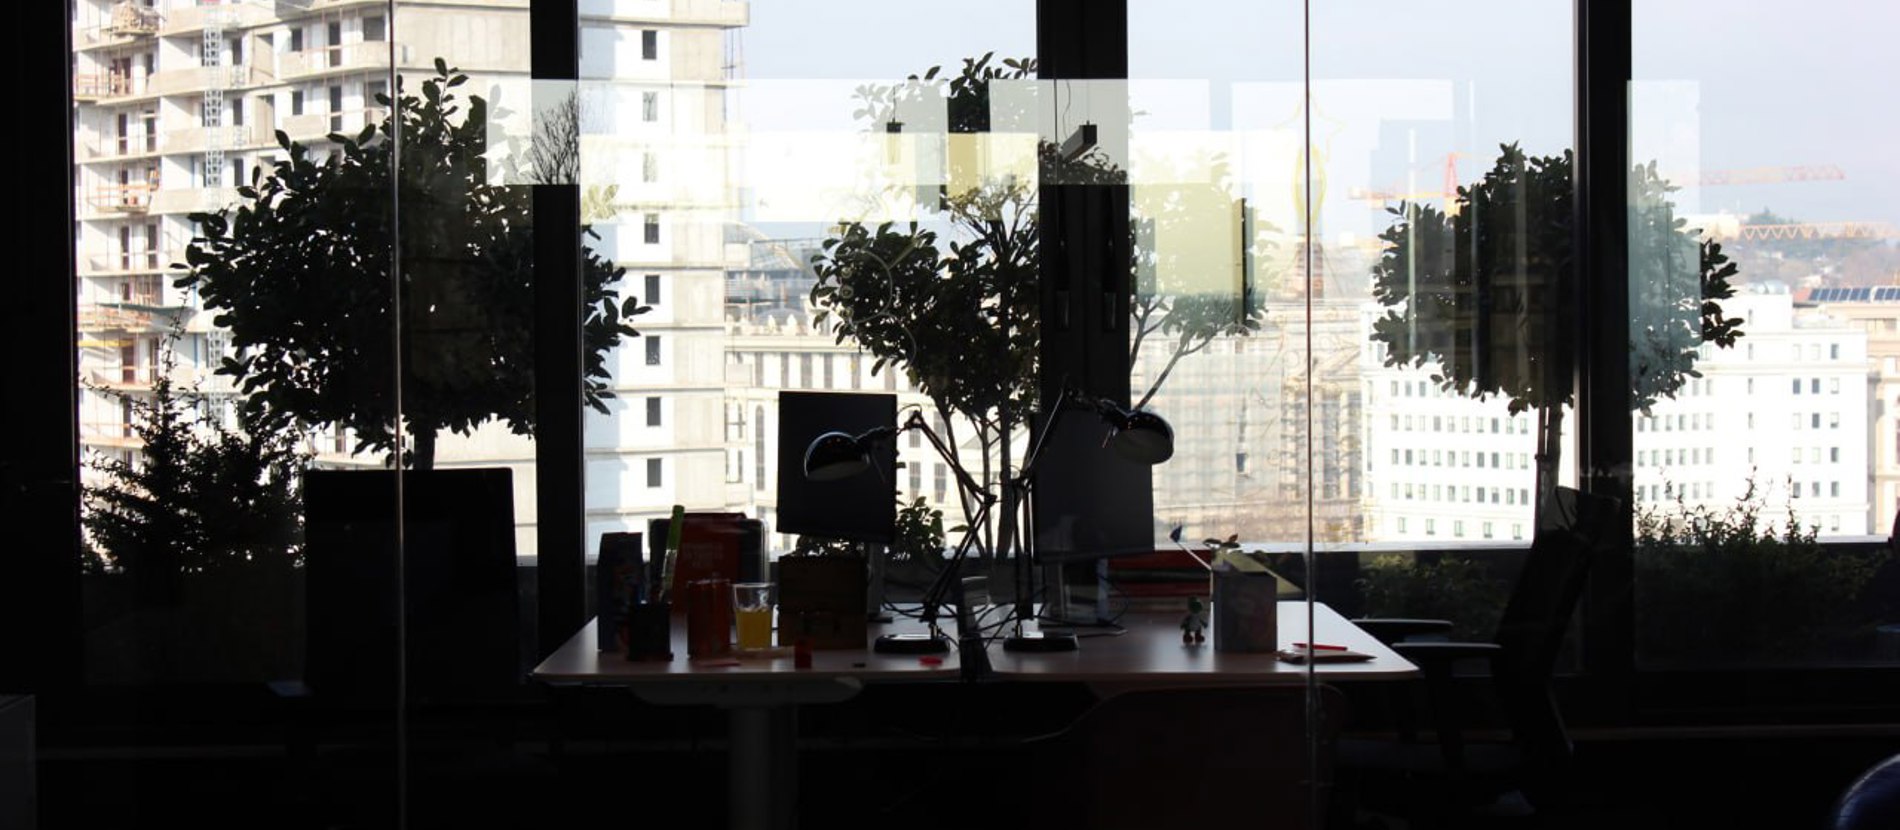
(1804, 230)
(1770, 175)
(1448, 189)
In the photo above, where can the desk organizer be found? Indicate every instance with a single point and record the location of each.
(650, 631)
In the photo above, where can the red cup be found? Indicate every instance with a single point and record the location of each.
(709, 617)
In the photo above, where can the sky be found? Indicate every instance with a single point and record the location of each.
(1398, 85)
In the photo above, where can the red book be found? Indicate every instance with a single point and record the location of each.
(709, 549)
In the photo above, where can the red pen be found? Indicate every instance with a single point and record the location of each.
(1319, 647)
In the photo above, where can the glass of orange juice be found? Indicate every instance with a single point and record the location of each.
(752, 610)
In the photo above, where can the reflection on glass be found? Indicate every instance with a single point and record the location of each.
(720, 153)
(1788, 437)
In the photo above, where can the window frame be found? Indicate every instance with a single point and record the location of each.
(45, 585)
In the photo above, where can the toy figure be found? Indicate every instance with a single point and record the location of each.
(1193, 624)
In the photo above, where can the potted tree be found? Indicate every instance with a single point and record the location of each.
(387, 289)
(325, 260)
(193, 552)
(958, 312)
(1470, 291)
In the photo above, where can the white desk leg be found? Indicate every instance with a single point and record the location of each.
(755, 803)
(763, 737)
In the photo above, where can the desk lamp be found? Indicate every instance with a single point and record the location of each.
(1138, 436)
(838, 455)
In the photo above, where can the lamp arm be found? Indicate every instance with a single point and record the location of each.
(1042, 438)
(934, 597)
(964, 481)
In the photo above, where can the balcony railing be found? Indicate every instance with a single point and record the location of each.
(100, 317)
(122, 198)
(93, 86)
(107, 434)
(312, 126)
(201, 78)
(196, 139)
(343, 57)
(131, 262)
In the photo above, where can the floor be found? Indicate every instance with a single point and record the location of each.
(951, 762)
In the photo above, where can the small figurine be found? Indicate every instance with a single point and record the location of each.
(1193, 624)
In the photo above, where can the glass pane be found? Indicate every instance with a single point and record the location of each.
(716, 195)
(235, 336)
(1783, 436)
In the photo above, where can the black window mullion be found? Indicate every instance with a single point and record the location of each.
(1084, 305)
(1604, 440)
(560, 531)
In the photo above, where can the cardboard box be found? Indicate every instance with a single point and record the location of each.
(821, 598)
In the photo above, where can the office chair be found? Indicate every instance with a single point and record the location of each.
(462, 686)
(1456, 775)
(1206, 756)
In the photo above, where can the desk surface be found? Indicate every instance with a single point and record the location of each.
(1148, 651)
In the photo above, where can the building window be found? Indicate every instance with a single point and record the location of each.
(1401, 524)
(804, 371)
(649, 45)
(758, 446)
(829, 379)
(375, 29)
(296, 102)
(653, 289)
(653, 349)
(649, 167)
(654, 472)
(296, 39)
(653, 412)
(650, 107)
(652, 229)
(1431, 527)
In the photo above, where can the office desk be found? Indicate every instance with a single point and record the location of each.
(760, 695)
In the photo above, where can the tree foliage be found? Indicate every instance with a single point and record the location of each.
(301, 273)
(203, 495)
(960, 315)
(1485, 296)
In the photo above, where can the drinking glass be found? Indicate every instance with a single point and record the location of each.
(752, 609)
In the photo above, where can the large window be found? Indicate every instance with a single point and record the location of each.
(1778, 162)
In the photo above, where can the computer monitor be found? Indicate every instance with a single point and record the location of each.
(860, 508)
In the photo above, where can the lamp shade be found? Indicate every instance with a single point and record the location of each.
(1142, 437)
(835, 455)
